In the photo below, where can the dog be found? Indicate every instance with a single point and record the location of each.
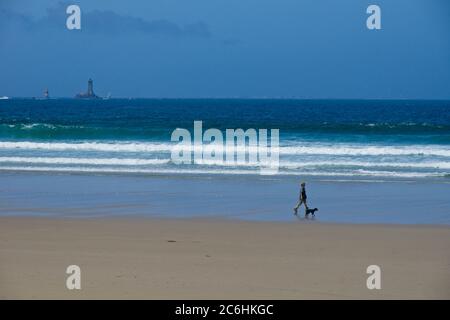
(311, 211)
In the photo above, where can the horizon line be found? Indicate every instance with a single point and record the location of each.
(220, 98)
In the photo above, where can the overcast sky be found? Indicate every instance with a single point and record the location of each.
(227, 48)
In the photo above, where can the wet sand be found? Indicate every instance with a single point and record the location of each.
(252, 198)
(218, 259)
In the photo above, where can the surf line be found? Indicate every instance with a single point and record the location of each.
(238, 146)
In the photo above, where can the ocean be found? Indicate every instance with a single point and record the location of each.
(321, 139)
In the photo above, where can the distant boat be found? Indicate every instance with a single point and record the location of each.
(4, 98)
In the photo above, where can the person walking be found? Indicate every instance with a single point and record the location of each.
(302, 198)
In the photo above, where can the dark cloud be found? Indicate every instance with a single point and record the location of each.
(104, 23)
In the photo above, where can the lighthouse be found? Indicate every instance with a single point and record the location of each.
(90, 92)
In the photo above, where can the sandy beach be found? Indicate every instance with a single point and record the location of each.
(215, 259)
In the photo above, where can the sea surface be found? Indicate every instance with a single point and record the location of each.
(326, 139)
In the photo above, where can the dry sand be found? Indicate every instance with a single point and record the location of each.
(190, 259)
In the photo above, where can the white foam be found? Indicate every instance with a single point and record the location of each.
(306, 149)
(378, 164)
(356, 173)
(88, 146)
(283, 164)
(85, 161)
(367, 150)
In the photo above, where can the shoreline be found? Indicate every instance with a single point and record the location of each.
(140, 258)
(438, 179)
(239, 198)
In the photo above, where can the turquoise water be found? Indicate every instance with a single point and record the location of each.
(355, 139)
